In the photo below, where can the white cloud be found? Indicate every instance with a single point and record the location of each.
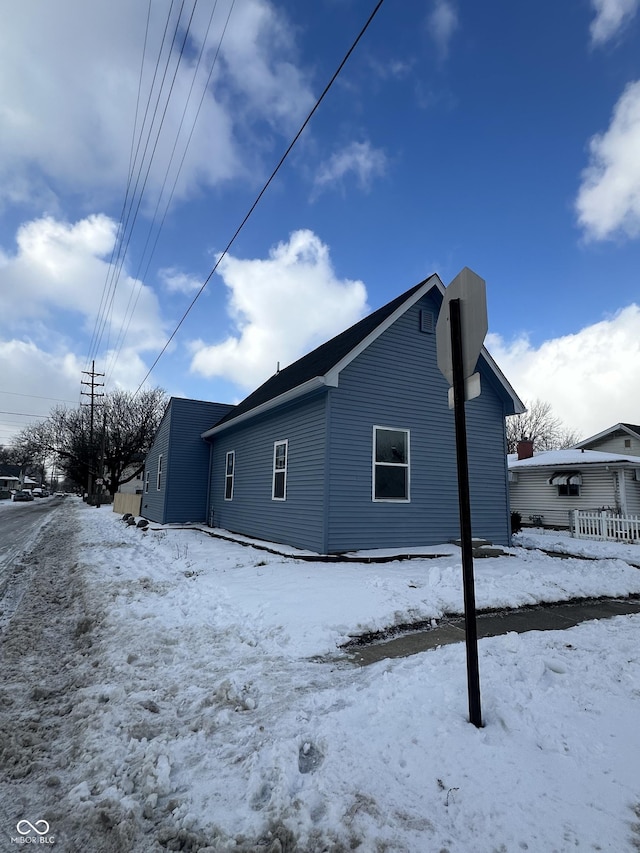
(442, 22)
(359, 158)
(175, 281)
(53, 283)
(590, 378)
(70, 83)
(59, 270)
(281, 307)
(608, 201)
(611, 17)
(28, 374)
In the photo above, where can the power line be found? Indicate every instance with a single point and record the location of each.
(130, 310)
(117, 247)
(263, 190)
(24, 414)
(37, 397)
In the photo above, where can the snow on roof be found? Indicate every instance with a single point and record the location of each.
(569, 456)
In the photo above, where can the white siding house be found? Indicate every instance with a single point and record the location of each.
(620, 438)
(546, 487)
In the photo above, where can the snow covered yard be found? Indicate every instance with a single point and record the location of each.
(215, 711)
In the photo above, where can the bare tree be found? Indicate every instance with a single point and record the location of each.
(124, 426)
(541, 426)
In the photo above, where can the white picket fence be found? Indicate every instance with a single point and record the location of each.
(604, 524)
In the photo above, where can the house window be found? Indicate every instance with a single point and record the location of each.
(146, 482)
(627, 442)
(159, 480)
(568, 483)
(279, 488)
(569, 490)
(390, 464)
(229, 472)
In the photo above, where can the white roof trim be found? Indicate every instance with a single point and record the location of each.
(331, 378)
(429, 284)
(502, 379)
(605, 433)
(291, 394)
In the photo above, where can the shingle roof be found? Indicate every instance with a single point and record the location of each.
(322, 359)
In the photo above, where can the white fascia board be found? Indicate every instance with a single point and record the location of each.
(333, 374)
(605, 433)
(433, 281)
(518, 405)
(291, 394)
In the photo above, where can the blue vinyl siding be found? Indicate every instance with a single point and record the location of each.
(396, 383)
(298, 520)
(185, 462)
(153, 501)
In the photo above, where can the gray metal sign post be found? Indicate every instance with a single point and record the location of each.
(465, 296)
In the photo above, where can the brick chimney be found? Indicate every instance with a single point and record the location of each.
(525, 448)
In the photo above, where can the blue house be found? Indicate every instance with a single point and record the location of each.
(350, 447)
(176, 474)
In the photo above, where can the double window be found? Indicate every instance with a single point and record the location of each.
(159, 479)
(230, 468)
(279, 483)
(390, 464)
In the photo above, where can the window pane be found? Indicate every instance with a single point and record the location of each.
(278, 484)
(228, 488)
(230, 463)
(391, 482)
(281, 455)
(391, 446)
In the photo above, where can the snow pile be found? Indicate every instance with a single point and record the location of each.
(222, 715)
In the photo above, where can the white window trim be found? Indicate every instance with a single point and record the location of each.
(277, 444)
(146, 482)
(232, 475)
(406, 465)
(159, 475)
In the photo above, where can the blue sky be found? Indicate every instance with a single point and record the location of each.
(503, 137)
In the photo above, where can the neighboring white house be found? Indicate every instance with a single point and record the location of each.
(546, 486)
(7, 484)
(135, 486)
(620, 438)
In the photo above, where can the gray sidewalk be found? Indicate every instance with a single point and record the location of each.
(549, 617)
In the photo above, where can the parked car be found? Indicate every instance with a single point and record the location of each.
(22, 496)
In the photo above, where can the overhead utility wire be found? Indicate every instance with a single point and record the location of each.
(124, 246)
(128, 316)
(132, 160)
(128, 202)
(262, 192)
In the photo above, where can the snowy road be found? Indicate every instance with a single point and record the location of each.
(46, 659)
(20, 525)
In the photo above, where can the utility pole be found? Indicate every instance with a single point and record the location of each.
(91, 382)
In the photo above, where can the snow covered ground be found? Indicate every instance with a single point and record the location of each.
(217, 712)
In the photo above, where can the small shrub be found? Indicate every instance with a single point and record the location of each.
(516, 522)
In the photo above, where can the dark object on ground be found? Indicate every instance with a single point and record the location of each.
(131, 520)
(516, 522)
(143, 523)
(127, 516)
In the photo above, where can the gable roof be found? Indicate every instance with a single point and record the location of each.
(630, 429)
(322, 366)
